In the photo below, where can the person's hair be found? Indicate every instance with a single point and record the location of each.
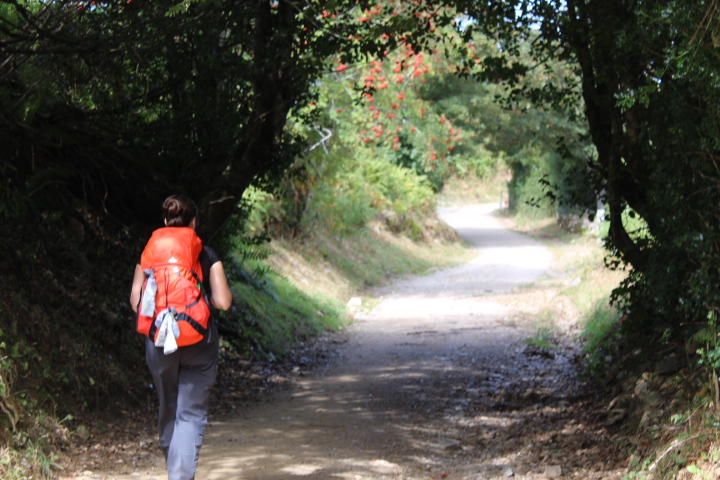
(179, 211)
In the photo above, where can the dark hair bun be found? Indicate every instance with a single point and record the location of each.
(179, 211)
(173, 207)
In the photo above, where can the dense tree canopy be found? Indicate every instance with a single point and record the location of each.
(111, 105)
(647, 75)
(359, 108)
(114, 104)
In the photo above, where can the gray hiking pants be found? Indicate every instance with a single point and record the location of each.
(183, 380)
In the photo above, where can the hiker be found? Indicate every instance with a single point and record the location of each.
(183, 367)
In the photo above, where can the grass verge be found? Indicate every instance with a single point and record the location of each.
(582, 277)
(307, 282)
(335, 269)
(667, 420)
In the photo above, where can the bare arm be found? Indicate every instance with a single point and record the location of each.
(138, 280)
(221, 294)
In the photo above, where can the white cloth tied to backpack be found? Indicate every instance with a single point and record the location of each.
(168, 331)
(147, 308)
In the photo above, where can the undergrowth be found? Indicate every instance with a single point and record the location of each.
(67, 342)
(661, 401)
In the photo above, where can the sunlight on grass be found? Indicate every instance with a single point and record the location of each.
(578, 260)
(338, 268)
(472, 190)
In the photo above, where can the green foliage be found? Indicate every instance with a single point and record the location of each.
(600, 335)
(273, 319)
(545, 148)
(30, 461)
(525, 190)
(418, 115)
(697, 471)
(273, 312)
(67, 342)
(646, 73)
(542, 339)
(136, 100)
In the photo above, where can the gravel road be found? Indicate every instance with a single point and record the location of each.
(435, 382)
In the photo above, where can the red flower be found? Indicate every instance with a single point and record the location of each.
(341, 68)
(395, 147)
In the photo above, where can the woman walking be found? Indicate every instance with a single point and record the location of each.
(175, 278)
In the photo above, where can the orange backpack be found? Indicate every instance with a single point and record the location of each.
(172, 258)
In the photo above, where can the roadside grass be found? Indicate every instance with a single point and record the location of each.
(337, 269)
(674, 436)
(472, 190)
(273, 319)
(302, 286)
(545, 330)
(578, 263)
(676, 439)
(582, 277)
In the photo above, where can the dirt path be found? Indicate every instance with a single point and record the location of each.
(435, 382)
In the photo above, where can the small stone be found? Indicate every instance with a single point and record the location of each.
(641, 388)
(553, 471)
(83, 433)
(654, 399)
(508, 471)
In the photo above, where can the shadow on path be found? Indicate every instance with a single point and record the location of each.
(436, 382)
